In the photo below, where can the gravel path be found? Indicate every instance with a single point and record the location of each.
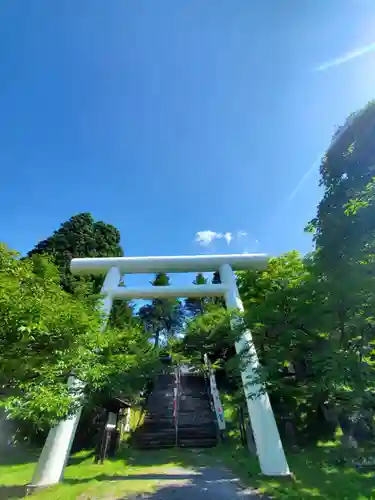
(199, 484)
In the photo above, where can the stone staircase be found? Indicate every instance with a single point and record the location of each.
(196, 427)
(158, 429)
(193, 424)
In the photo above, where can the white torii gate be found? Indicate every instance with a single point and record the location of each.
(266, 435)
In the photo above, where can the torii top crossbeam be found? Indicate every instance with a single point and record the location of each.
(169, 264)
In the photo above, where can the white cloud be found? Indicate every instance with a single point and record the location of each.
(206, 237)
(228, 237)
(348, 56)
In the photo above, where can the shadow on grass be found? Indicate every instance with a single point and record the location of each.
(14, 456)
(81, 457)
(12, 491)
(316, 470)
(132, 457)
(317, 475)
(155, 458)
(135, 477)
(177, 484)
(198, 490)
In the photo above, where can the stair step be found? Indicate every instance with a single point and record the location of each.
(197, 444)
(154, 446)
(198, 430)
(196, 420)
(153, 440)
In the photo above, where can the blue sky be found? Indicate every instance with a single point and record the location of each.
(170, 117)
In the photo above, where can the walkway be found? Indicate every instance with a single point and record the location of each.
(197, 484)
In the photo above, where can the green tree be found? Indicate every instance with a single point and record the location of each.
(216, 280)
(344, 232)
(163, 317)
(80, 236)
(122, 314)
(347, 172)
(196, 305)
(47, 334)
(312, 318)
(304, 361)
(207, 333)
(344, 228)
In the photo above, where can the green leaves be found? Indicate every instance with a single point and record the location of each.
(80, 236)
(210, 334)
(311, 344)
(196, 305)
(163, 317)
(46, 335)
(345, 222)
(312, 319)
(364, 199)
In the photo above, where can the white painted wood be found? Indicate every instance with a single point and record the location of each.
(111, 421)
(157, 292)
(269, 446)
(219, 410)
(127, 420)
(56, 450)
(170, 264)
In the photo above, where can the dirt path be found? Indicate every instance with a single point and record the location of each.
(203, 483)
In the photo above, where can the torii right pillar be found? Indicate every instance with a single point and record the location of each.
(266, 435)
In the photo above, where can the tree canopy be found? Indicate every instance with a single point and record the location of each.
(47, 334)
(196, 305)
(312, 317)
(80, 236)
(162, 318)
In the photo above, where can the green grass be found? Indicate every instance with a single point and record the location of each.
(132, 472)
(316, 474)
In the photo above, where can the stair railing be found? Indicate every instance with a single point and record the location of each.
(176, 402)
(215, 395)
(208, 390)
(146, 396)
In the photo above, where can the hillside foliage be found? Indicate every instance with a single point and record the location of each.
(312, 317)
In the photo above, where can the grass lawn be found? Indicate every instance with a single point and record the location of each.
(316, 475)
(132, 472)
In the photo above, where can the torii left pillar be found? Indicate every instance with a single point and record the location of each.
(59, 441)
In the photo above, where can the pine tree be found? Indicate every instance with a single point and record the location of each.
(216, 280)
(196, 305)
(163, 317)
(80, 236)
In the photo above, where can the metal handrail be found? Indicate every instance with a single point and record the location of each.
(215, 398)
(177, 402)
